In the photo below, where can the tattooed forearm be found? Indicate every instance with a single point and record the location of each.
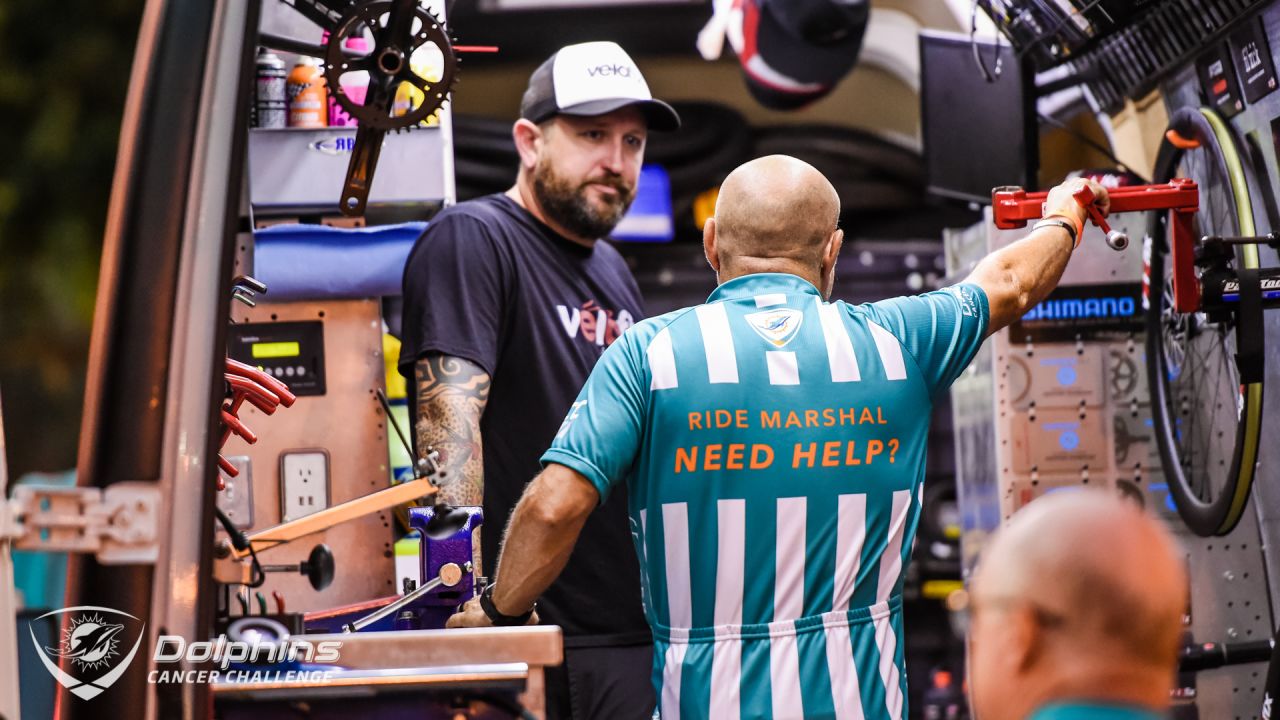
(452, 393)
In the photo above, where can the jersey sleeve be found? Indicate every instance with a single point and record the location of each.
(942, 330)
(453, 294)
(600, 437)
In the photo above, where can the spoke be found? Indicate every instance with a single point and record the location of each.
(362, 64)
(416, 80)
(1210, 445)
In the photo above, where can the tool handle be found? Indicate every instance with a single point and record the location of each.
(1116, 240)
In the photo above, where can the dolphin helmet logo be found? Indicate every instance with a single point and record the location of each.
(92, 643)
(777, 327)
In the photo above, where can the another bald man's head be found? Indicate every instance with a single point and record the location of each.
(1079, 597)
(775, 214)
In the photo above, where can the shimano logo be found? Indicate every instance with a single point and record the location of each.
(610, 71)
(334, 145)
(1078, 309)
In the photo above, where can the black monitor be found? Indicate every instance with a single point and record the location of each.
(978, 134)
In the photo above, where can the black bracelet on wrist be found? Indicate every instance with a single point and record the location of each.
(1059, 222)
(496, 617)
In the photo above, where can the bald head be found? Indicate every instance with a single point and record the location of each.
(774, 214)
(1100, 590)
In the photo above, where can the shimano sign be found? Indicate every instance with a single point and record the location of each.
(1083, 308)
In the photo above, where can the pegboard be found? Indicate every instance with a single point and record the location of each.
(1060, 404)
(347, 423)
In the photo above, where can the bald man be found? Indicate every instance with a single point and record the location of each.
(773, 447)
(1076, 613)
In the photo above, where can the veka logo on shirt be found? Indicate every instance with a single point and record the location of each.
(777, 327)
(594, 323)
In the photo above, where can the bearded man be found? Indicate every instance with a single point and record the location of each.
(509, 301)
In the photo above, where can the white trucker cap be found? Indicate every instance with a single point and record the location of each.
(592, 78)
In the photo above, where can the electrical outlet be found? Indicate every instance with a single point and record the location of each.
(236, 497)
(304, 483)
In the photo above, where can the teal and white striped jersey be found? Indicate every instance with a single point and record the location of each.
(773, 447)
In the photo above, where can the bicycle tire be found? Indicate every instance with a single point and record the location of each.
(1189, 485)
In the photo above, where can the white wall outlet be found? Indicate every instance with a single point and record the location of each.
(304, 483)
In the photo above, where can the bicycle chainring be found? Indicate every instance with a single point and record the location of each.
(389, 65)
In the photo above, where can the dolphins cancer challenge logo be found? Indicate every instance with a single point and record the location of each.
(93, 642)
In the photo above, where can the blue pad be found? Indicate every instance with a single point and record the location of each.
(313, 262)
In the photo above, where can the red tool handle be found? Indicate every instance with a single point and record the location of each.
(249, 372)
(234, 425)
(1086, 197)
(262, 398)
(227, 468)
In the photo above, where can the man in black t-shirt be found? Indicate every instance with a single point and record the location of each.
(509, 301)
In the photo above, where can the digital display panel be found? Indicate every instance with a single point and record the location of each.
(275, 350)
(1218, 80)
(290, 351)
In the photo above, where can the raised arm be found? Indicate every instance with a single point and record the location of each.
(1019, 276)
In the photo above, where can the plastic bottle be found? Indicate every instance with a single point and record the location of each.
(354, 85)
(427, 63)
(308, 98)
(271, 99)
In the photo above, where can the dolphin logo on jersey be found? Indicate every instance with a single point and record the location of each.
(778, 327)
(968, 303)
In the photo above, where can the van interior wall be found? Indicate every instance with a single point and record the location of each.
(868, 99)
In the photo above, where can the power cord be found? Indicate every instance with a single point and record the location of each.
(1091, 143)
(977, 53)
(241, 543)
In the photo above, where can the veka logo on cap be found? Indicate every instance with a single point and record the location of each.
(610, 71)
(93, 643)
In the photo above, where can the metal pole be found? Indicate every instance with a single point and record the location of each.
(9, 704)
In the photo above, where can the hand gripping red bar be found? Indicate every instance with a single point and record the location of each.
(1012, 207)
(1116, 240)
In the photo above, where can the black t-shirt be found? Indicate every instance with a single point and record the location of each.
(489, 283)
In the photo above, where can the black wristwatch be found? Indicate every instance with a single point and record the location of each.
(497, 618)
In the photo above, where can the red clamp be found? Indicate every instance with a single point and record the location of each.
(1013, 207)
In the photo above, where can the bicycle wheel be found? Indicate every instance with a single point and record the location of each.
(1206, 423)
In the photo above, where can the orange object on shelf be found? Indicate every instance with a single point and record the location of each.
(308, 96)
